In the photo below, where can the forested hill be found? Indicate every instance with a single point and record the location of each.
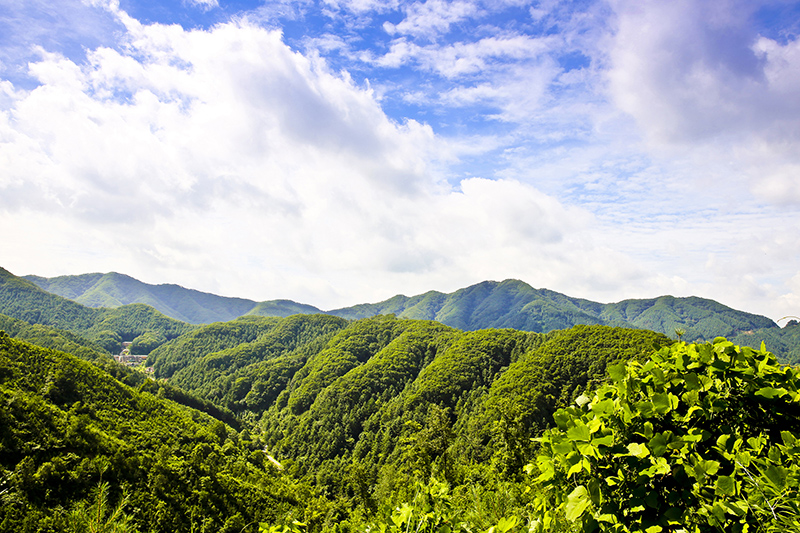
(76, 443)
(366, 409)
(114, 290)
(515, 304)
(145, 326)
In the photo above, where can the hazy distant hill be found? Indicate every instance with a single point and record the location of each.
(114, 290)
(188, 305)
(515, 304)
(140, 323)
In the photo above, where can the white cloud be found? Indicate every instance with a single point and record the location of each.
(204, 4)
(192, 153)
(695, 74)
(225, 161)
(433, 17)
(363, 6)
(462, 59)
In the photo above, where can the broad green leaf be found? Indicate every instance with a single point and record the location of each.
(769, 392)
(603, 407)
(658, 444)
(646, 409)
(660, 468)
(579, 432)
(504, 524)
(402, 514)
(608, 440)
(577, 503)
(546, 467)
(705, 468)
(776, 475)
(563, 447)
(692, 382)
(594, 425)
(562, 418)
(587, 448)
(576, 468)
(617, 372)
(725, 486)
(638, 450)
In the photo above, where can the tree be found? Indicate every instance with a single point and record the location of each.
(699, 438)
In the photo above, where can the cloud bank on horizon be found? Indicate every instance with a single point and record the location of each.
(343, 151)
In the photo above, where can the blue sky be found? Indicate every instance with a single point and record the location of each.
(343, 151)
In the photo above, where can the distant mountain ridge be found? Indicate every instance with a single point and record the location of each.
(515, 304)
(489, 304)
(187, 305)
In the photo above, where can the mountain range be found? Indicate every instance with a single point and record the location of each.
(110, 308)
(489, 304)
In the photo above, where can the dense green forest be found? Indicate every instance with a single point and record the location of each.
(390, 423)
(69, 428)
(106, 328)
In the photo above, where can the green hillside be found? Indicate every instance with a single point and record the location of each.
(115, 290)
(70, 429)
(187, 305)
(515, 304)
(364, 410)
(386, 423)
(143, 325)
(784, 341)
(282, 308)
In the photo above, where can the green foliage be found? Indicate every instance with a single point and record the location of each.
(282, 308)
(184, 351)
(400, 423)
(65, 420)
(784, 341)
(507, 304)
(245, 376)
(25, 301)
(434, 509)
(515, 304)
(698, 438)
(549, 377)
(95, 516)
(147, 342)
(50, 337)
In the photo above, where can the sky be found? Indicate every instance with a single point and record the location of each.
(336, 152)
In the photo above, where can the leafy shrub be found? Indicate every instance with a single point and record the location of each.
(699, 438)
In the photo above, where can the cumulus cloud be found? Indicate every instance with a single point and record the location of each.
(696, 72)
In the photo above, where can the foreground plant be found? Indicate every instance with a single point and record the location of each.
(96, 515)
(703, 437)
